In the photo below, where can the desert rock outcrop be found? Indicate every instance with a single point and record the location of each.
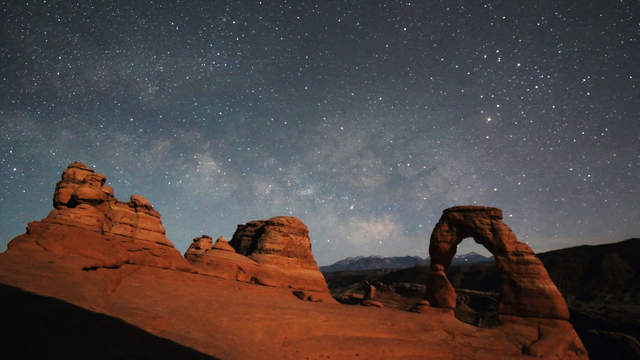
(282, 247)
(274, 252)
(220, 260)
(525, 287)
(112, 258)
(199, 247)
(222, 244)
(90, 223)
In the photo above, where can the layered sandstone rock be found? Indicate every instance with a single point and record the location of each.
(199, 247)
(90, 223)
(282, 240)
(220, 260)
(525, 287)
(274, 252)
(222, 244)
(282, 247)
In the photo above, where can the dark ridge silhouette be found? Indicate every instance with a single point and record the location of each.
(359, 263)
(39, 327)
(374, 262)
(607, 271)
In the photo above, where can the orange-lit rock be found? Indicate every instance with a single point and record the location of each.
(113, 259)
(274, 252)
(525, 287)
(88, 221)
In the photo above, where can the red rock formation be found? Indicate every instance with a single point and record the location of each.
(220, 260)
(135, 279)
(223, 244)
(274, 252)
(282, 240)
(89, 222)
(199, 247)
(282, 247)
(525, 287)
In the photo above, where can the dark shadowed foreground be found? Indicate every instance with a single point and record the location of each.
(40, 327)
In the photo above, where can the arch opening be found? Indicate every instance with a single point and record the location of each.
(473, 275)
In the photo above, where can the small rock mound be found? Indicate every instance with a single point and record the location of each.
(223, 244)
(90, 223)
(199, 247)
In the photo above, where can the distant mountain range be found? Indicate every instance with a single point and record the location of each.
(359, 263)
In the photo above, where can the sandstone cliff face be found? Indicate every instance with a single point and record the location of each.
(90, 223)
(274, 252)
(525, 286)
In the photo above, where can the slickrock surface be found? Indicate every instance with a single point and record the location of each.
(236, 320)
(274, 252)
(525, 287)
(88, 221)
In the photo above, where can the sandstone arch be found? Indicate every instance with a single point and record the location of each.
(525, 287)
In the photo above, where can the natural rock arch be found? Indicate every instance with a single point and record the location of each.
(525, 287)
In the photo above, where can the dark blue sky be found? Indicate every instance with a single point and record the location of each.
(364, 119)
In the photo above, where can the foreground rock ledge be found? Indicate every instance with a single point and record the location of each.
(113, 258)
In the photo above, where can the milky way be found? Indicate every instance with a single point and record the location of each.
(364, 119)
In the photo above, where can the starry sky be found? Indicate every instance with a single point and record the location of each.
(365, 119)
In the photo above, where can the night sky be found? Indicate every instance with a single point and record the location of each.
(365, 119)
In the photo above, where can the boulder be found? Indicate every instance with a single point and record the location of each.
(526, 289)
(90, 223)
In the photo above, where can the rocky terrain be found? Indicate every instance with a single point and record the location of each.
(601, 284)
(107, 264)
